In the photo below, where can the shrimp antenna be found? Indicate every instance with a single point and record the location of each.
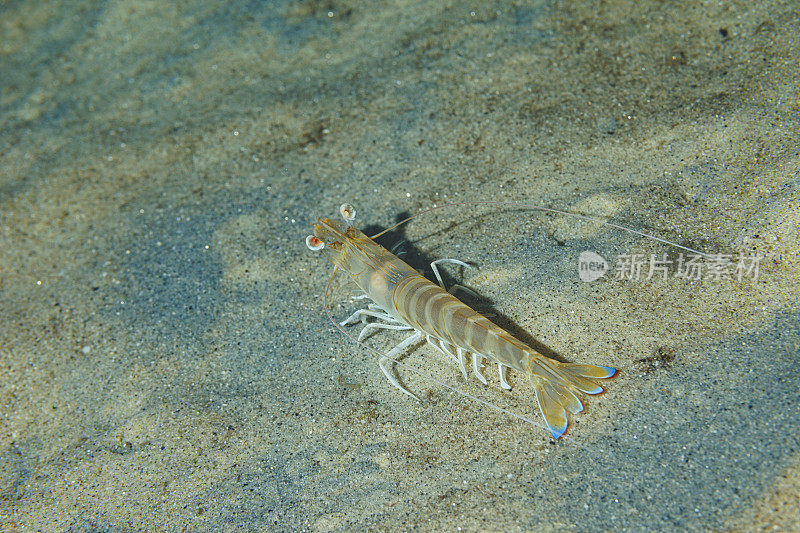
(424, 375)
(548, 210)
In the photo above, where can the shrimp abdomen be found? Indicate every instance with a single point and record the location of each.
(430, 309)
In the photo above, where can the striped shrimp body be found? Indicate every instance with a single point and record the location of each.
(405, 300)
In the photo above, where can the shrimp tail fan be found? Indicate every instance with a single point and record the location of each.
(557, 385)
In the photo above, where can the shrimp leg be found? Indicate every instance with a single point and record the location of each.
(446, 349)
(456, 286)
(381, 325)
(477, 365)
(362, 314)
(383, 362)
(501, 368)
(436, 269)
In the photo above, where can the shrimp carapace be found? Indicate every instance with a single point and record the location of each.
(407, 301)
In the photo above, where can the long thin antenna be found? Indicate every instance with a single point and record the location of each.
(548, 210)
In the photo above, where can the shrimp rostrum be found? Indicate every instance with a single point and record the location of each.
(403, 299)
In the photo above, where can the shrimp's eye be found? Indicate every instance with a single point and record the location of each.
(348, 212)
(314, 243)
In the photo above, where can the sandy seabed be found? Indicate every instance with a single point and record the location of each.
(165, 360)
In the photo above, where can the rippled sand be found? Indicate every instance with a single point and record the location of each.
(165, 361)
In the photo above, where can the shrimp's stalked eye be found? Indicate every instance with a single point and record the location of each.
(348, 212)
(314, 243)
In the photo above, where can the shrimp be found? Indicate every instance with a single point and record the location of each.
(405, 300)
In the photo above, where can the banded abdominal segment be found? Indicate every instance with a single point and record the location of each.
(439, 314)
